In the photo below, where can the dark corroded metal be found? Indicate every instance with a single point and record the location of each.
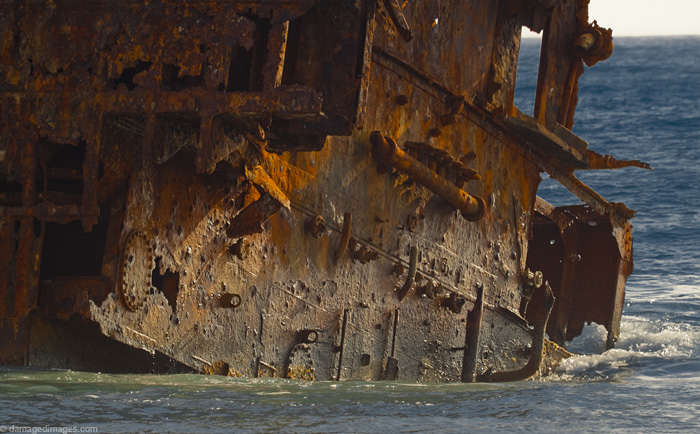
(341, 347)
(186, 178)
(363, 254)
(471, 344)
(391, 370)
(573, 250)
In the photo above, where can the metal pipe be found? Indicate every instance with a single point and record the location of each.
(536, 354)
(342, 344)
(412, 265)
(344, 239)
(393, 338)
(471, 341)
(385, 149)
(391, 370)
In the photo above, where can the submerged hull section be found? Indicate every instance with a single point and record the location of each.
(312, 190)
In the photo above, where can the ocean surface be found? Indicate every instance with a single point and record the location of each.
(643, 103)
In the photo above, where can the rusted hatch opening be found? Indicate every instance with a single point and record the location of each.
(260, 51)
(11, 190)
(292, 52)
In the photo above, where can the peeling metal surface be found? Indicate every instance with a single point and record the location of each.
(218, 181)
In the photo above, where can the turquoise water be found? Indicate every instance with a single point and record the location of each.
(643, 103)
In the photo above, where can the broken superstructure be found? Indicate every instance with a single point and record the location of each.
(313, 189)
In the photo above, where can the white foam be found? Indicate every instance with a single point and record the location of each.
(591, 340)
(659, 338)
(640, 339)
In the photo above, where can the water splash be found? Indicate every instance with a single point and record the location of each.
(649, 347)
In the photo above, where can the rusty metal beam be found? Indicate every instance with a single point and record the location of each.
(299, 101)
(499, 129)
(276, 49)
(471, 342)
(556, 62)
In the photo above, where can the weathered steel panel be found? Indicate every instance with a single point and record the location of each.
(309, 189)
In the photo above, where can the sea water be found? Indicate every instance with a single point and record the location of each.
(643, 103)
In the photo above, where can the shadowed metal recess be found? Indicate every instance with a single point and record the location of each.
(259, 188)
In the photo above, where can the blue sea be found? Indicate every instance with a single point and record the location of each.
(643, 103)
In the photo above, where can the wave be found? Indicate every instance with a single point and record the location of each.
(648, 348)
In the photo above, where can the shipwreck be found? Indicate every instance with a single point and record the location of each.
(308, 189)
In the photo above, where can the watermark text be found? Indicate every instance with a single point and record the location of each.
(47, 429)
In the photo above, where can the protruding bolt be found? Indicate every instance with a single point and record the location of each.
(460, 276)
(444, 266)
(585, 42)
(231, 300)
(533, 279)
(402, 100)
(308, 336)
(316, 226)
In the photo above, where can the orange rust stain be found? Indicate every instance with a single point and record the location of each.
(289, 178)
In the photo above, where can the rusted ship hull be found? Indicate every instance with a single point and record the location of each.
(303, 189)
